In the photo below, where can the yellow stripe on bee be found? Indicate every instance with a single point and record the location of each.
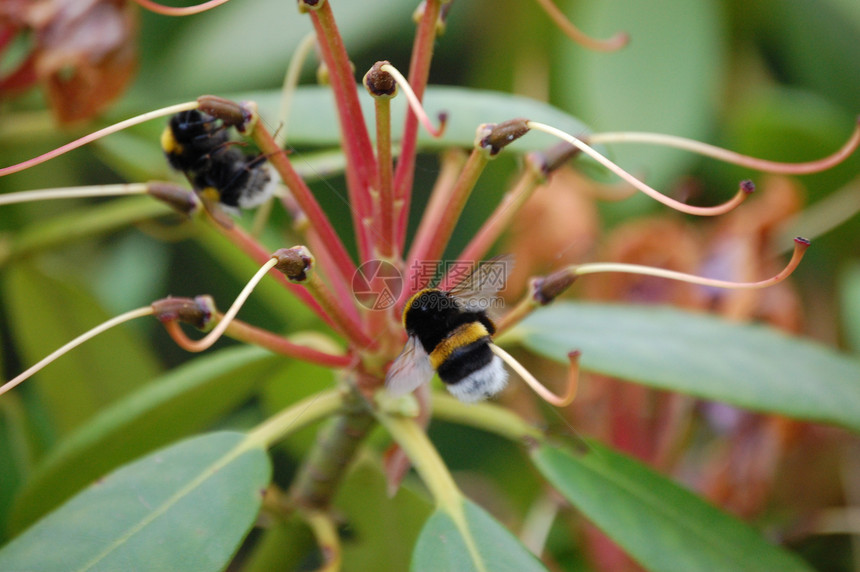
(169, 143)
(462, 336)
(210, 194)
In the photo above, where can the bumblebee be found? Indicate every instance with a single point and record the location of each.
(199, 145)
(450, 332)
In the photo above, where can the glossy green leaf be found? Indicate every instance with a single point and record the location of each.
(181, 402)
(442, 545)
(668, 79)
(186, 507)
(660, 524)
(745, 365)
(313, 121)
(46, 312)
(850, 298)
(250, 44)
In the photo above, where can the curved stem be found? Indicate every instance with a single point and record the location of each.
(539, 388)
(733, 157)
(181, 10)
(651, 192)
(613, 44)
(295, 417)
(324, 529)
(210, 338)
(131, 315)
(415, 103)
(170, 110)
(485, 416)
(800, 246)
(307, 202)
(426, 460)
(291, 80)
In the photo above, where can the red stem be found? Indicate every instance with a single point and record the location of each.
(386, 197)
(253, 335)
(441, 217)
(502, 216)
(360, 161)
(419, 72)
(260, 255)
(307, 202)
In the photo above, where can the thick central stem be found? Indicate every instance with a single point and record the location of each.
(335, 447)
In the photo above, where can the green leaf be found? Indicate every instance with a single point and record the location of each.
(850, 298)
(812, 44)
(790, 125)
(181, 402)
(250, 44)
(443, 546)
(667, 79)
(660, 524)
(16, 450)
(745, 365)
(186, 507)
(313, 122)
(374, 519)
(46, 312)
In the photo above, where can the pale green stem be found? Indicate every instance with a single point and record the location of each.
(291, 80)
(218, 331)
(163, 112)
(733, 157)
(294, 418)
(414, 102)
(131, 315)
(74, 193)
(485, 416)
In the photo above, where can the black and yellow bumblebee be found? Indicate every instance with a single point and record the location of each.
(450, 332)
(199, 145)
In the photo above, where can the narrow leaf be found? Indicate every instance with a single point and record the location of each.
(181, 402)
(45, 313)
(663, 526)
(186, 507)
(444, 546)
(749, 366)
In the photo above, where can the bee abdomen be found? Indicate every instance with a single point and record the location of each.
(465, 360)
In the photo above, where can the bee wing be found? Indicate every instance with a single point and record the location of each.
(485, 282)
(411, 369)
